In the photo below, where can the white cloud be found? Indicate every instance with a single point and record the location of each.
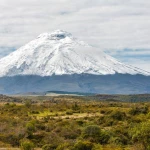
(111, 25)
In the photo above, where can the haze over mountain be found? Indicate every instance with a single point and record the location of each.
(58, 61)
(59, 53)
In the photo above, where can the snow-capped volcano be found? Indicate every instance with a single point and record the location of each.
(60, 53)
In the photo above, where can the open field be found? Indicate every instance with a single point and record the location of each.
(73, 123)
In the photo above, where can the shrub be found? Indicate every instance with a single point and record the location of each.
(48, 147)
(95, 134)
(97, 147)
(28, 103)
(65, 146)
(118, 115)
(141, 134)
(119, 140)
(69, 113)
(30, 127)
(80, 122)
(70, 133)
(27, 145)
(75, 107)
(139, 110)
(104, 138)
(54, 139)
(35, 112)
(83, 145)
(91, 131)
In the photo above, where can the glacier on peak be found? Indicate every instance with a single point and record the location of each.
(56, 35)
(60, 53)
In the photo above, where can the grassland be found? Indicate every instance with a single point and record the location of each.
(73, 123)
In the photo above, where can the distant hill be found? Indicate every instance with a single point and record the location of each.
(4, 98)
(84, 83)
(122, 98)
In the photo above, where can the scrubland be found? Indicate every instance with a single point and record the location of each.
(74, 123)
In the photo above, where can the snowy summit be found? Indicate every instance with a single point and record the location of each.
(59, 53)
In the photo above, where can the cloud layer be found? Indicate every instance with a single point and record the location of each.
(122, 28)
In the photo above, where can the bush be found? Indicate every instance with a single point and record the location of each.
(95, 134)
(35, 112)
(80, 122)
(30, 127)
(48, 147)
(97, 147)
(83, 145)
(69, 113)
(65, 146)
(92, 131)
(54, 139)
(28, 103)
(119, 140)
(140, 133)
(75, 107)
(118, 115)
(27, 145)
(139, 110)
(104, 138)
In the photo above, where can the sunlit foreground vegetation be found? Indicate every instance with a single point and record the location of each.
(74, 123)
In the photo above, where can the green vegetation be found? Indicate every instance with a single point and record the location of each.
(74, 123)
(26, 145)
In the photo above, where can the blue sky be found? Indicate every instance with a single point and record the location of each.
(119, 27)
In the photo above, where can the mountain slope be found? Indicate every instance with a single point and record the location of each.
(60, 53)
(105, 84)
